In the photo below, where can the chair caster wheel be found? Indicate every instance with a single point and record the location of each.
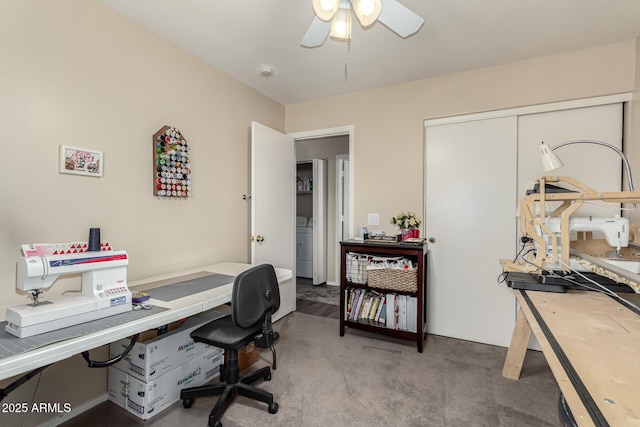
(267, 377)
(273, 408)
(187, 403)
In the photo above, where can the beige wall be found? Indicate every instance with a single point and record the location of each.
(388, 122)
(74, 72)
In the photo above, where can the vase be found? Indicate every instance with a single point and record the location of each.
(415, 232)
(406, 233)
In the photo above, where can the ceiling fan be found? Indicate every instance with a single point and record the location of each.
(334, 17)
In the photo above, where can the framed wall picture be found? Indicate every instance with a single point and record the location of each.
(80, 161)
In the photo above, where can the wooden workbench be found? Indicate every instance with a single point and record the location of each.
(592, 345)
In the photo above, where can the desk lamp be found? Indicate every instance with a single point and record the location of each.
(550, 160)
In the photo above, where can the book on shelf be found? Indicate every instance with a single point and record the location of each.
(374, 307)
(415, 240)
(393, 311)
(412, 314)
(357, 305)
(365, 307)
(391, 307)
(379, 310)
(383, 313)
(354, 304)
(402, 312)
(349, 297)
(396, 312)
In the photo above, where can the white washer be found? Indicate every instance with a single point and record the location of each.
(304, 252)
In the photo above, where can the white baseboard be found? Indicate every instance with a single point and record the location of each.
(56, 421)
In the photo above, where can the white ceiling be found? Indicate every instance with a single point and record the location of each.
(239, 37)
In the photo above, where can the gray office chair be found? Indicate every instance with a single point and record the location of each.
(254, 299)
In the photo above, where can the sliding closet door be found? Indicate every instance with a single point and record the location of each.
(470, 213)
(472, 191)
(596, 166)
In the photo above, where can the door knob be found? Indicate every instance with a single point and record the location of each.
(259, 238)
(432, 239)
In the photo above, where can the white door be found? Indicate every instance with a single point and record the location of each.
(319, 221)
(273, 208)
(470, 212)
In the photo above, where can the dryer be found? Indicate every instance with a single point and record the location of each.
(304, 248)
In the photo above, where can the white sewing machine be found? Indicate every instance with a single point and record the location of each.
(104, 291)
(614, 229)
(551, 233)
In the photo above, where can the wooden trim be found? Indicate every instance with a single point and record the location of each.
(532, 109)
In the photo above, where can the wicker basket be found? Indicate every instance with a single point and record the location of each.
(405, 280)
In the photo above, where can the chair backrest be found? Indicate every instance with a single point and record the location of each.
(255, 293)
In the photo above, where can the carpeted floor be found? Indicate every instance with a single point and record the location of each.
(364, 380)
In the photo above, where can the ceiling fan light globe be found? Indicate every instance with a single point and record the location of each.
(325, 9)
(367, 11)
(341, 25)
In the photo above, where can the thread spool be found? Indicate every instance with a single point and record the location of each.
(94, 240)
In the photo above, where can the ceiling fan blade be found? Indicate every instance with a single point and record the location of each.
(399, 19)
(317, 33)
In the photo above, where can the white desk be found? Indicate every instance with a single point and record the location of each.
(176, 309)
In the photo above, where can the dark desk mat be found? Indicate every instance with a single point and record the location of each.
(11, 345)
(188, 287)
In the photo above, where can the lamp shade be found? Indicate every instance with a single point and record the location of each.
(341, 24)
(325, 9)
(367, 11)
(550, 160)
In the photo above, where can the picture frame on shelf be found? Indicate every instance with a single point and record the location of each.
(80, 161)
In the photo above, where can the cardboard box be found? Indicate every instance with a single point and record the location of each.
(152, 333)
(146, 399)
(155, 357)
(247, 356)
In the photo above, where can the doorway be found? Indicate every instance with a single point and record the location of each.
(311, 220)
(329, 144)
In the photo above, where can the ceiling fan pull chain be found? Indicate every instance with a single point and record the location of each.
(347, 45)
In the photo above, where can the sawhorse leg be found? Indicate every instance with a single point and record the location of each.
(517, 348)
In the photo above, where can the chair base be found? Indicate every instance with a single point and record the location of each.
(228, 391)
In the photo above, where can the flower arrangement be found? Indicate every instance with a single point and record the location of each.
(406, 220)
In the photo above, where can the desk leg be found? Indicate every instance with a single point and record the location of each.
(517, 348)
